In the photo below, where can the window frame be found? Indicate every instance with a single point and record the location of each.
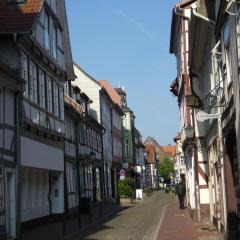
(47, 30)
(49, 90)
(55, 98)
(25, 78)
(42, 97)
(33, 82)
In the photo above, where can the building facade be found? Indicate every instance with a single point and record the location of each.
(214, 90)
(37, 50)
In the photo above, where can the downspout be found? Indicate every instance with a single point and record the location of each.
(18, 123)
(18, 164)
(78, 171)
(103, 188)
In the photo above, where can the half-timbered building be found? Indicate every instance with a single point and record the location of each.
(36, 55)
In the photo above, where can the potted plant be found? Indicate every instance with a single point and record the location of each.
(126, 191)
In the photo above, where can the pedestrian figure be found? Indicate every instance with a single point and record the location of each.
(181, 191)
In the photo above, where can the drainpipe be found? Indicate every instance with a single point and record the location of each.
(18, 123)
(208, 20)
(18, 165)
(77, 137)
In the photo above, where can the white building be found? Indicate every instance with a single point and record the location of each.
(101, 110)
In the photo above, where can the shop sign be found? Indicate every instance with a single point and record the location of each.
(202, 116)
(122, 174)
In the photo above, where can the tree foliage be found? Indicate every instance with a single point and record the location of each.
(166, 168)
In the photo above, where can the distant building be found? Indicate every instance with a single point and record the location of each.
(169, 151)
(117, 141)
(151, 167)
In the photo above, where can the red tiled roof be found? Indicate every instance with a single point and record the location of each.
(19, 18)
(111, 91)
(170, 150)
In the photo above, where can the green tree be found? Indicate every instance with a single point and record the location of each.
(166, 168)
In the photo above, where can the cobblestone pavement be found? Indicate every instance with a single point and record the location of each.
(177, 225)
(140, 222)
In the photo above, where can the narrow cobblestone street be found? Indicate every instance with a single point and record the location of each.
(141, 221)
(156, 218)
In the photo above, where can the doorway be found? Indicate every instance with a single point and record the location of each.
(56, 193)
(10, 192)
(231, 182)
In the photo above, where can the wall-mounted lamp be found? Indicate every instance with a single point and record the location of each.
(92, 155)
(193, 101)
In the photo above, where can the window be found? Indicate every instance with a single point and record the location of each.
(73, 94)
(41, 75)
(226, 38)
(60, 53)
(33, 82)
(24, 73)
(54, 42)
(228, 63)
(127, 147)
(46, 31)
(49, 94)
(66, 88)
(238, 37)
(55, 99)
(61, 99)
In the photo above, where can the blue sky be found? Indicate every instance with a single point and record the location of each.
(127, 43)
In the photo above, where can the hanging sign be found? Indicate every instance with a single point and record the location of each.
(202, 116)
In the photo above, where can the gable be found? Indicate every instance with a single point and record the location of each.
(51, 32)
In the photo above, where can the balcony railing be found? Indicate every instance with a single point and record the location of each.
(215, 98)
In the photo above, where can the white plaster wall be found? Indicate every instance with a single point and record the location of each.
(91, 88)
(39, 155)
(204, 196)
(34, 193)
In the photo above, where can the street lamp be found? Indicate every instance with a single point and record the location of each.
(189, 131)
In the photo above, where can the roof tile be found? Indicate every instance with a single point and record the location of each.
(19, 18)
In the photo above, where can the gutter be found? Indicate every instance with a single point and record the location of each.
(208, 20)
